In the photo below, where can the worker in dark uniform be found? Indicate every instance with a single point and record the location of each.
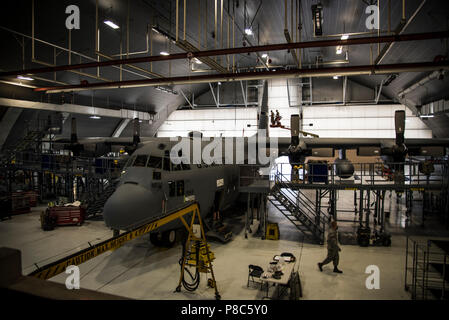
(272, 118)
(332, 248)
(278, 119)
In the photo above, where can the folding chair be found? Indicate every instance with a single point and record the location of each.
(254, 272)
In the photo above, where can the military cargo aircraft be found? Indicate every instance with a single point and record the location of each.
(151, 184)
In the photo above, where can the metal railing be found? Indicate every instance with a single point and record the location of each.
(305, 209)
(365, 174)
(426, 270)
(65, 164)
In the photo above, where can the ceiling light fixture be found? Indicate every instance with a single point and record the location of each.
(20, 84)
(163, 53)
(264, 55)
(167, 90)
(345, 37)
(248, 31)
(426, 116)
(317, 15)
(111, 24)
(336, 77)
(95, 117)
(339, 50)
(25, 78)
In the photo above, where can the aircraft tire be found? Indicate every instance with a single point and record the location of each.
(169, 238)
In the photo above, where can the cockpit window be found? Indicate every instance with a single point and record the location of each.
(141, 161)
(155, 162)
(130, 161)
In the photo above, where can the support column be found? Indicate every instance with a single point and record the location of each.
(248, 207)
(361, 208)
(368, 196)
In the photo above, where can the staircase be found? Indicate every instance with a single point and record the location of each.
(299, 210)
(31, 138)
(96, 204)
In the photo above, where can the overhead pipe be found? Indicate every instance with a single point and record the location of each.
(240, 50)
(400, 30)
(434, 75)
(104, 55)
(33, 51)
(229, 77)
(81, 55)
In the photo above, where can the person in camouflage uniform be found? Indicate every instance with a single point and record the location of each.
(332, 248)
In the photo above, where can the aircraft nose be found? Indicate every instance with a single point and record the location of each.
(129, 206)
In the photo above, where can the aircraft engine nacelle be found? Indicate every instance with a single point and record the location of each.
(343, 168)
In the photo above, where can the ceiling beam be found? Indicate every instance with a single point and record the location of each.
(262, 75)
(120, 127)
(74, 108)
(219, 52)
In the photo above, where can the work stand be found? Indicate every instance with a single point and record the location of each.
(202, 264)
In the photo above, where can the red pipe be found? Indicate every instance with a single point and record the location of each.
(208, 53)
(315, 72)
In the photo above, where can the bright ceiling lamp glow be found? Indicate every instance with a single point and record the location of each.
(248, 31)
(24, 78)
(95, 117)
(426, 116)
(345, 37)
(111, 24)
(336, 77)
(163, 53)
(264, 55)
(339, 50)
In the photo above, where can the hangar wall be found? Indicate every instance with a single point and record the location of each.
(331, 121)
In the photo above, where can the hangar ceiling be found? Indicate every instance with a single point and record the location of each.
(266, 19)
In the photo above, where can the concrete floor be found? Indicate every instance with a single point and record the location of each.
(140, 270)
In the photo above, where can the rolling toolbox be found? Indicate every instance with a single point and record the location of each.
(62, 216)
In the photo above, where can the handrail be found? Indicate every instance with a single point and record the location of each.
(304, 200)
(310, 215)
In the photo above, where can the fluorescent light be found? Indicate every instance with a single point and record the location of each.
(111, 24)
(163, 53)
(18, 84)
(248, 31)
(425, 116)
(25, 78)
(339, 50)
(336, 77)
(264, 55)
(345, 37)
(95, 117)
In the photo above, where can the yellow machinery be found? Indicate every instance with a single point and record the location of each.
(201, 258)
(272, 231)
(197, 254)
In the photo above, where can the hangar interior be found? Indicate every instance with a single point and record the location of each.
(350, 97)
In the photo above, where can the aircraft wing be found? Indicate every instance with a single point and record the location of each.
(365, 146)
